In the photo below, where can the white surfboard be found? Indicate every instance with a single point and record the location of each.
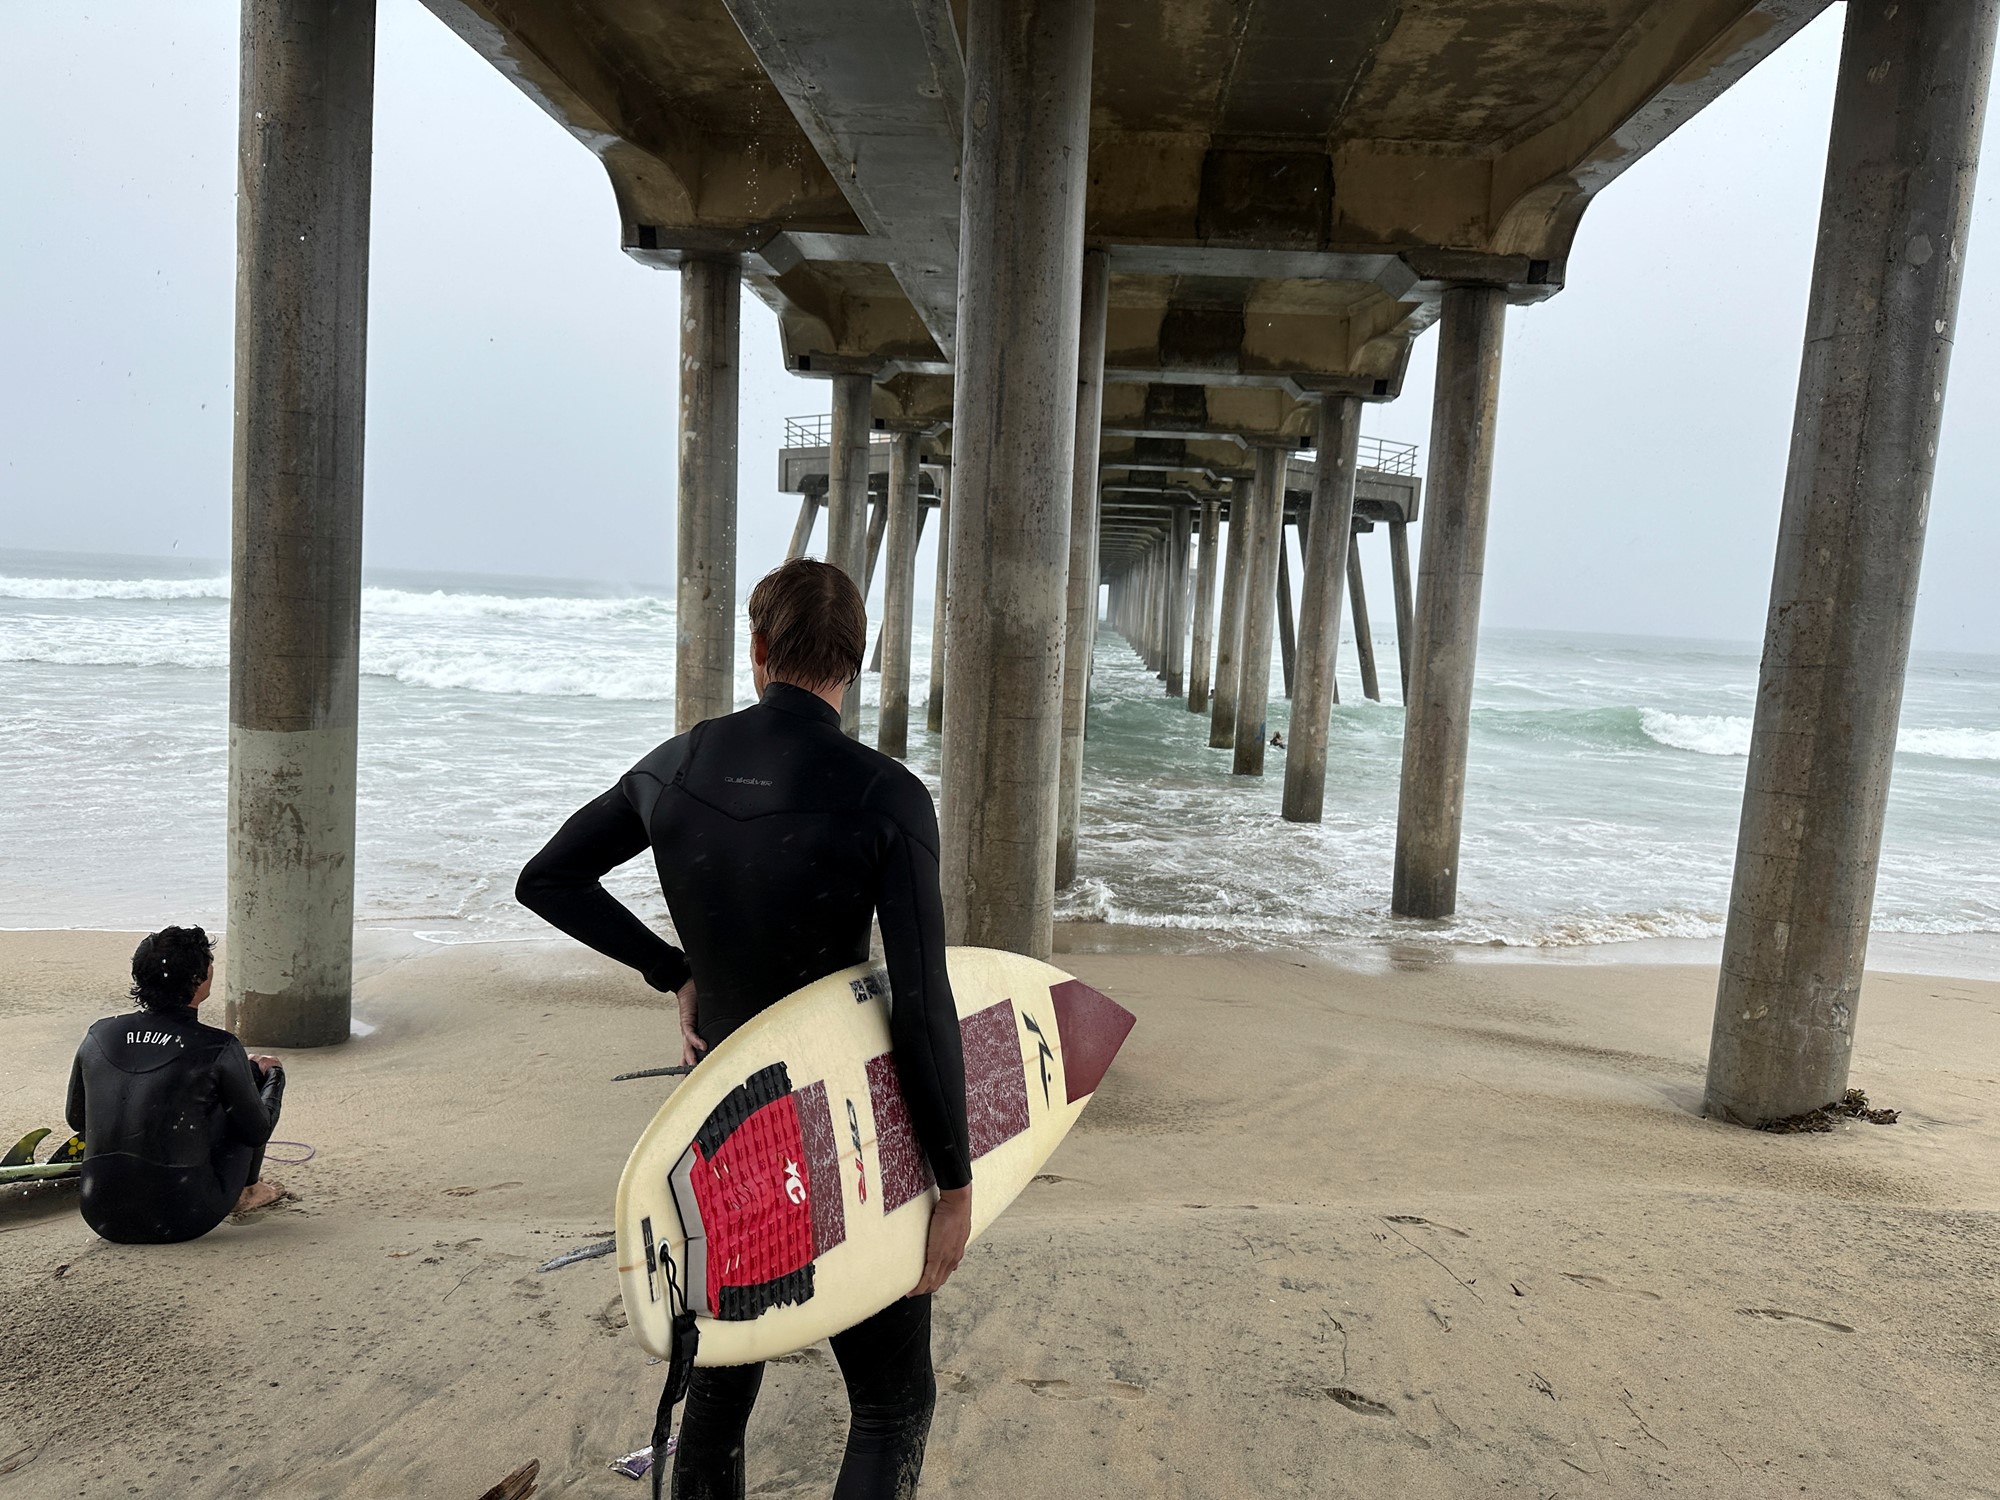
(780, 1193)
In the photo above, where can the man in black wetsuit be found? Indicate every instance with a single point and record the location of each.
(173, 1114)
(777, 838)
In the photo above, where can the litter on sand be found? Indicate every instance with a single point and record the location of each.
(639, 1462)
(571, 1257)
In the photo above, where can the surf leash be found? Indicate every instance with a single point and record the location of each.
(292, 1161)
(680, 1364)
(678, 1070)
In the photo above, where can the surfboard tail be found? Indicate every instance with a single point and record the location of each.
(1092, 1027)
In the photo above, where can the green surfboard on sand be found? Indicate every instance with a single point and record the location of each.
(19, 1164)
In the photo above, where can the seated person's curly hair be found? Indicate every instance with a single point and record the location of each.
(169, 966)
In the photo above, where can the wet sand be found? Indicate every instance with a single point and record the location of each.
(1416, 1226)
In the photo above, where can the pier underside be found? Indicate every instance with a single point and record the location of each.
(1102, 273)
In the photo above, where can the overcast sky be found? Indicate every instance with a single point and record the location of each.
(521, 391)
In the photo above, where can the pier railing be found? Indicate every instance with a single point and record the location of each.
(816, 431)
(1379, 454)
(1387, 458)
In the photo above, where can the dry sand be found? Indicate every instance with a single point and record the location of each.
(1447, 1228)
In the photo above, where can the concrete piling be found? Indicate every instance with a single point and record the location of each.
(1027, 137)
(1399, 563)
(1322, 563)
(934, 709)
(1260, 597)
(899, 584)
(1436, 727)
(1080, 599)
(1901, 163)
(1203, 649)
(1364, 639)
(1229, 629)
(1177, 602)
(304, 140)
(1287, 638)
(802, 529)
(705, 500)
(847, 501)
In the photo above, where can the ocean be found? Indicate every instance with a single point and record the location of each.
(1603, 788)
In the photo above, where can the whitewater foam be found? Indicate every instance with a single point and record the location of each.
(114, 588)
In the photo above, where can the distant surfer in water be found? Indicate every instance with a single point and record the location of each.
(777, 838)
(174, 1114)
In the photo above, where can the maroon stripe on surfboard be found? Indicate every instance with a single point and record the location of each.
(905, 1173)
(1093, 1027)
(996, 1084)
(822, 1167)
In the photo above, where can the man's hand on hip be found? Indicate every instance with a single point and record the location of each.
(692, 1046)
(951, 1227)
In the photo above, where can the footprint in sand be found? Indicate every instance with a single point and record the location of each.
(954, 1382)
(1599, 1284)
(1779, 1315)
(467, 1192)
(1427, 1223)
(1051, 1177)
(1062, 1390)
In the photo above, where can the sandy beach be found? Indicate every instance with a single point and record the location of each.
(1415, 1227)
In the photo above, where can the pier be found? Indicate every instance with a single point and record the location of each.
(1090, 279)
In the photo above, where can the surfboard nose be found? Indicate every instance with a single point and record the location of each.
(1092, 1027)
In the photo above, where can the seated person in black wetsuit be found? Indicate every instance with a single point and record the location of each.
(777, 838)
(173, 1114)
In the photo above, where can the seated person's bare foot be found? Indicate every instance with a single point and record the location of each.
(258, 1195)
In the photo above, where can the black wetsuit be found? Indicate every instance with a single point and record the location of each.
(777, 838)
(174, 1121)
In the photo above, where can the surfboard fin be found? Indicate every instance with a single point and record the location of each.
(69, 1151)
(22, 1152)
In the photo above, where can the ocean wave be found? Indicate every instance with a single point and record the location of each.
(1704, 734)
(114, 588)
(435, 604)
(439, 605)
(1729, 734)
(1951, 744)
(553, 675)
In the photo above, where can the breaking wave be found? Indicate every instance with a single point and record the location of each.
(114, 588)
(1729, 734)
(407, 603)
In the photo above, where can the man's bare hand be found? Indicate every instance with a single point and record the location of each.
(951, 1227)
(265, 1062)
(692, 1046)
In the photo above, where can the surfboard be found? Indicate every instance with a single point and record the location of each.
(780, 1194)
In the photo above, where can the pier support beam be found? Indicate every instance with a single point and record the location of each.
(1288, 645)
(1364, 639)
(1322, 561)
(1399, 562)
(1436, 725)
(1203, 650)
(1229, 629)
(1081, 597)
(1027, 137)
(304, 139)
(705, 499)
(1260, 600)
(1177, 602)
(934, 709)
(847, 501)
(899, 605)
(802, 529)
(1901, 162)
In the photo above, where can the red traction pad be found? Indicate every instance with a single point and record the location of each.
(996, 1102)
(753, 1198)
